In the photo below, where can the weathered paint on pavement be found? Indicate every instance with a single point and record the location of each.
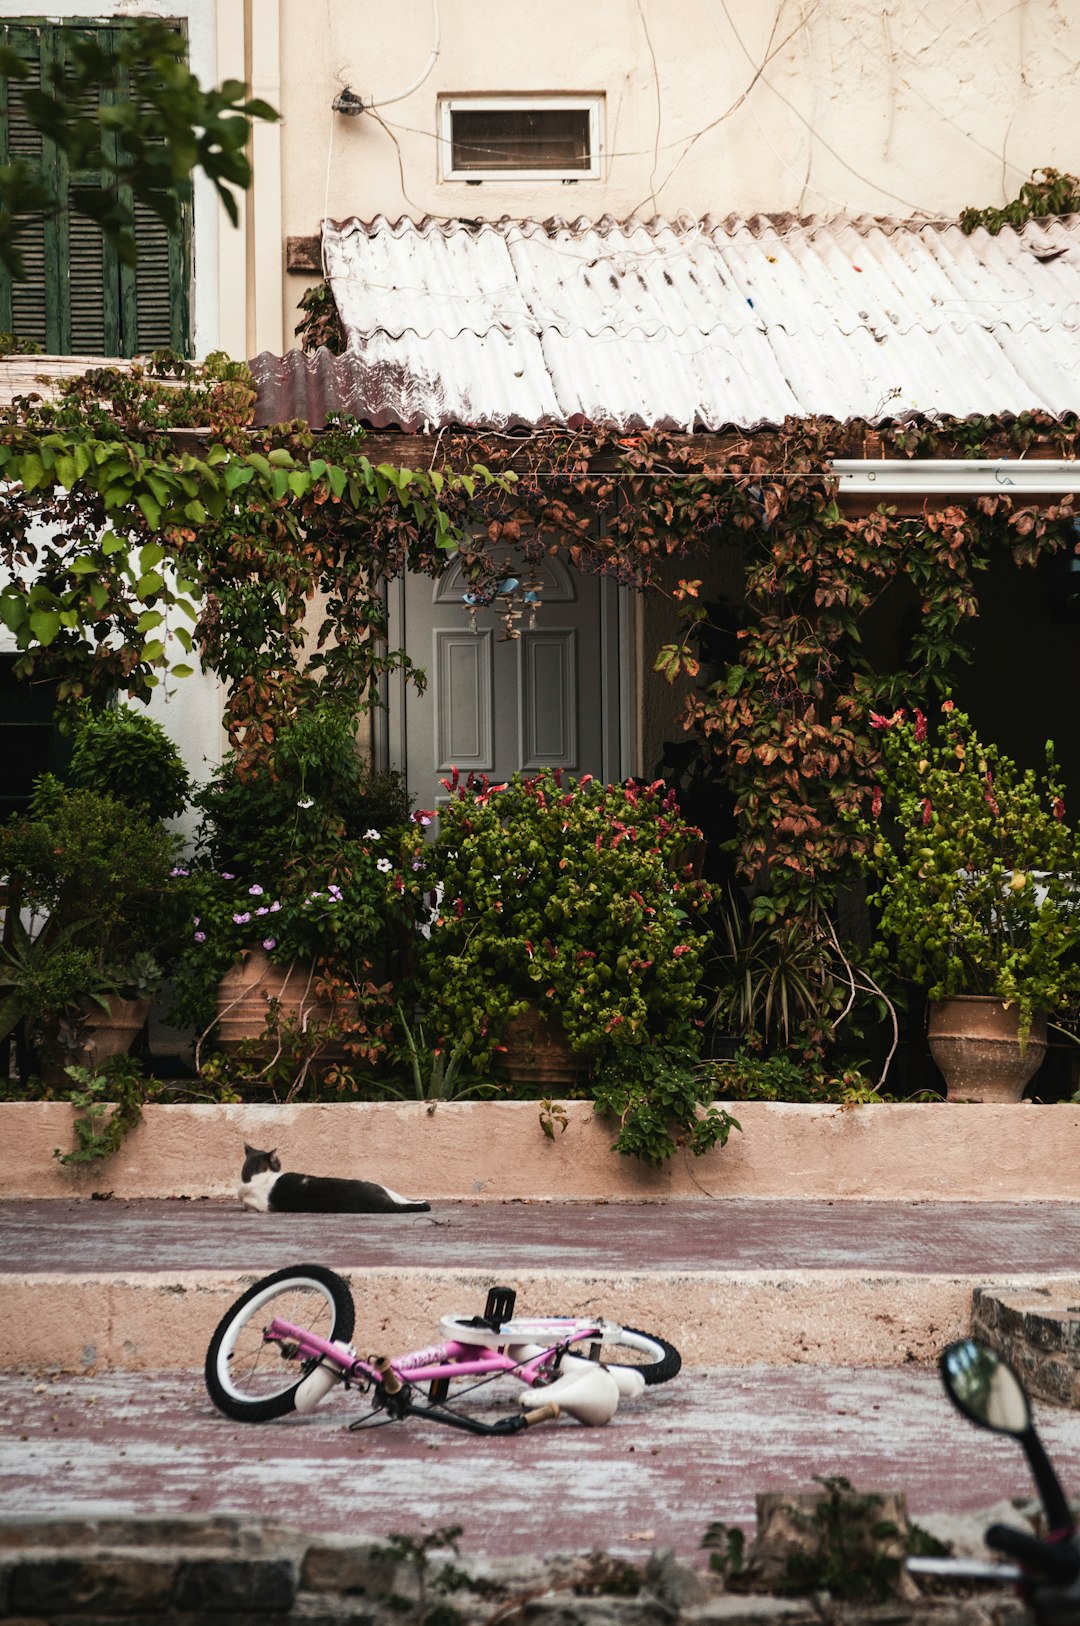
(684, 1234)
(683, 1455)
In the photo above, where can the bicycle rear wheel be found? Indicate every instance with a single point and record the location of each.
(253, 1381)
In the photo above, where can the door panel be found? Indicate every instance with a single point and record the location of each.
(552, 697)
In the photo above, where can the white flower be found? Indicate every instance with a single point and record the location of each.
(306, 801)
(384, 864)
(371, 835)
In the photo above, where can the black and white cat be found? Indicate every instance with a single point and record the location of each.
(264, 1189)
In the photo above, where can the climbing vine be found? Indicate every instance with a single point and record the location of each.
(177, 529)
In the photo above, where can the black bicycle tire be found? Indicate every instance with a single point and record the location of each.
(278, 1405)
(659, 1371)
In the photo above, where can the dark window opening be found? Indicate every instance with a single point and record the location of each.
(521, 139)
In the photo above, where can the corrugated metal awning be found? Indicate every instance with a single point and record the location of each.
(688, 325)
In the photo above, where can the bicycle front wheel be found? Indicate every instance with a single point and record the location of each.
(652, 1356)
(253, 1381)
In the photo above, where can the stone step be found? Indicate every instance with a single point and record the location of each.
(139, 1285)
(1037, 1329)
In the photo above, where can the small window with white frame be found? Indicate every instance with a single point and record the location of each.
(539, 138)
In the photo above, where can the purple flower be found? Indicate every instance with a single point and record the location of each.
(227, 875)
(200, 937)
(269, 943)
(255, 891)
(179, 872)
(242, 920)
(263, 911)
(274, 907)
(197, 921)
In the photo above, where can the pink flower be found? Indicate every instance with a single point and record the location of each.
(680, 948)
(948, 705)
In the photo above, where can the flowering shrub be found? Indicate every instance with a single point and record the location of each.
(978, 871)
(575, 895)
(338, 913)
(309, 857)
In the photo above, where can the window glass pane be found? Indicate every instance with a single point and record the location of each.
(520, 138)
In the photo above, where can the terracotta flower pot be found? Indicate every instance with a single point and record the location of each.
(975, 1042)
(112, 1032)
(246, 992)
(538, 1054)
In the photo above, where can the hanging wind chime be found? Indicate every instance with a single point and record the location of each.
(511, 601)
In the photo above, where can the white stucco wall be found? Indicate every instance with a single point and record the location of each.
(813, 106)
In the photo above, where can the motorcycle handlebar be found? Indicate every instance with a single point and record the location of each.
(1055, 1560)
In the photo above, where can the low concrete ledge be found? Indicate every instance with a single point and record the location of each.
(157, 1320)
(496, 1151)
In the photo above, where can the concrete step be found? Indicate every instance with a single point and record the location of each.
(134, 1285)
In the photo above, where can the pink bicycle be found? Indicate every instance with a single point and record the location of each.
(286, 1343)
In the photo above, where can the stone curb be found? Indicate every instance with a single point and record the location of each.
(179, 1572)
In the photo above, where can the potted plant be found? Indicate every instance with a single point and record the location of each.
(977, 883)
(302, 889)
(568, 900)
(95, 907)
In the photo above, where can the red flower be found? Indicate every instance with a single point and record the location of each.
(948, 705)
(920, 726)
(459, 907)
(875, 802)
(926, 810)
(680, 948)
(1059, 808)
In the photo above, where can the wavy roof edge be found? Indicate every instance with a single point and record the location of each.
(294, 370)
(654, 225)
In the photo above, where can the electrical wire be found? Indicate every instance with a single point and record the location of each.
(436, 41)
(659, 104)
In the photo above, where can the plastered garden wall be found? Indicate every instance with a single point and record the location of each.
(497, 1151)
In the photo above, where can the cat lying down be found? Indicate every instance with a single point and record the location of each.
(264, 1189)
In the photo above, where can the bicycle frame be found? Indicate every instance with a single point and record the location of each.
(392, 1378)
(447, 1360)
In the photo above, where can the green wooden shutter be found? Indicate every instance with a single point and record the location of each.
(77, 299)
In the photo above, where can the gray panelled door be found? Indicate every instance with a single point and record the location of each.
(554, 697)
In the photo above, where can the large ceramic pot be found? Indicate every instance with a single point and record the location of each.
(538, 1054)
(247, 992)
(975, 1041)
(90, 1038)
(112, 1032)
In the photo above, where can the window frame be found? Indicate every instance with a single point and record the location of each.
(590, 103)
(118, 289)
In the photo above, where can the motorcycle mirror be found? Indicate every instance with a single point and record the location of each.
(985, 1388)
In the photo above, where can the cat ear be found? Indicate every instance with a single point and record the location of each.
(249, 1151)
